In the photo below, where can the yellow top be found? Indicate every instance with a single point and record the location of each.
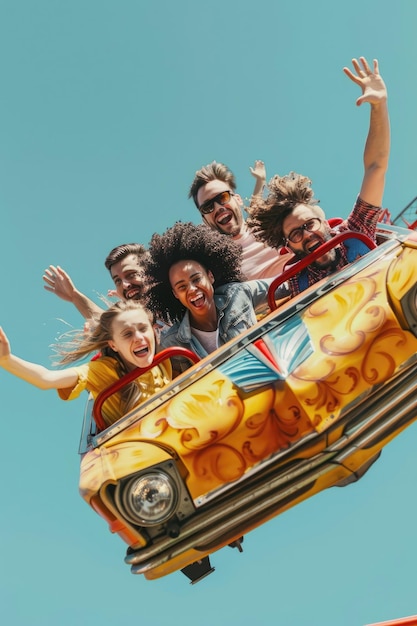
(95, 376)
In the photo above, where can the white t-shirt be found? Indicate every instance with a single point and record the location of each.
(259, 260)
(209, 339)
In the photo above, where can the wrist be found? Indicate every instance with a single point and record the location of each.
(76, 296)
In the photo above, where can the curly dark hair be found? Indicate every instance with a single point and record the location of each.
(266, 215)
(188, 241)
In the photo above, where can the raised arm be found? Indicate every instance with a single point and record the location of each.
(377, 145)
(32, 373)
(59, 282)
(258, 171)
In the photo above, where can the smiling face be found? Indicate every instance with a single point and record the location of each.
(310, 240)
(192, 285)
(129, 278)
(133, 338)
(227, 218)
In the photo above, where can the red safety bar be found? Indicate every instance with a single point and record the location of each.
(130, 376)
(410, 621)
(412, 226)
(303, 263)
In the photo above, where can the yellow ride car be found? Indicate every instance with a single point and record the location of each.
(304, 400)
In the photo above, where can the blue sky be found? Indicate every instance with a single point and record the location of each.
(107, 109)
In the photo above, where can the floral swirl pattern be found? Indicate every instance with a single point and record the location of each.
(221, 426)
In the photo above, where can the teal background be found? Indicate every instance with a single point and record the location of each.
(107, 108)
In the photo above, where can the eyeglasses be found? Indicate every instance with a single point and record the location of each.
(310, 226)
(222, 198)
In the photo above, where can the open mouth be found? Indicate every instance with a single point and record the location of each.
(224, 218)
(313, 246)
(197, 301)
(141, 351)
(133, 294)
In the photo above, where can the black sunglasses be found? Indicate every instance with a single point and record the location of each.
(222, 198)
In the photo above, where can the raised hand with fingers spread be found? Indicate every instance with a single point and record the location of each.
(369, 80)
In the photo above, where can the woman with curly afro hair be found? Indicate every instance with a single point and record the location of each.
(195, 284)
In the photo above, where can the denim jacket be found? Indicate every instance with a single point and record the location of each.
(235, 304)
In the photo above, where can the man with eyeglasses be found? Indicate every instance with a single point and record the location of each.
(214, 193)
(290, 215)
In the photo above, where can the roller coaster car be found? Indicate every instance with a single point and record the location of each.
(304, 400)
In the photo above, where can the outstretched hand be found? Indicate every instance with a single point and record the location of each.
(4, 345)
(259, 171)
(373, 87)
(58, 282)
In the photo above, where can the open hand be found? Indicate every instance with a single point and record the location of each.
(373, 87)
(58, 282)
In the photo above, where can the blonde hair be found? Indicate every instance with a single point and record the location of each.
(83, 344)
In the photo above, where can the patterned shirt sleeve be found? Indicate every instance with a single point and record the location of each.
(364, 218)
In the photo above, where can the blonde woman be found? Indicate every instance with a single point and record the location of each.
(125, 337)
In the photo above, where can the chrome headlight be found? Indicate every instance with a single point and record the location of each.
(148, 499)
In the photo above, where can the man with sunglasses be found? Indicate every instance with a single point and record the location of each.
(214, 193)
(290, 215)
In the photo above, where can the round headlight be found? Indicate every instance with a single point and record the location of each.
(149, 499)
